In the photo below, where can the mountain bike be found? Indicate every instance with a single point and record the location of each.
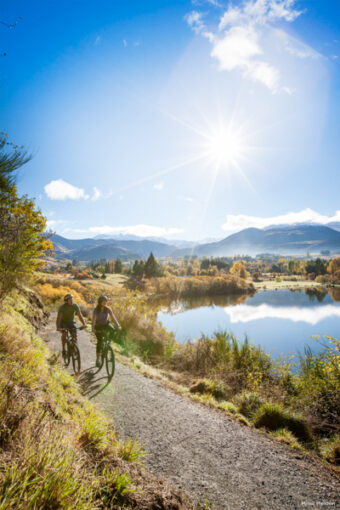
(107, 355)
(71, 351)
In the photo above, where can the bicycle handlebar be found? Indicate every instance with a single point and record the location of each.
(73, 328)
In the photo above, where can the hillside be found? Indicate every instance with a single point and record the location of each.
(92, 249)
(284, 240)
(298, 239)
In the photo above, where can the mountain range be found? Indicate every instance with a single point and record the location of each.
(283, 240)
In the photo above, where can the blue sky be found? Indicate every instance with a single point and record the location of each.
(183, 119)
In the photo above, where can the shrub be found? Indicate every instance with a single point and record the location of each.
(274, 417)
(247, 403)
(319, 381)
(218, 390)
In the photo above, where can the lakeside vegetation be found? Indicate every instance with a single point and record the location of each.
(263, 268)
(298, 403)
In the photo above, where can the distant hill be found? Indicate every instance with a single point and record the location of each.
(94, 249)
(284, 240)
(179, 243)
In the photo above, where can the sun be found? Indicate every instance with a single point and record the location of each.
(225, 145)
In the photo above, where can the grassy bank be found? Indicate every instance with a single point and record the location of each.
(195, 286)
(302, 407)
(56, 449)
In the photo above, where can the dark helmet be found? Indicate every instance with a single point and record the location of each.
(68, 296)
(102, 298)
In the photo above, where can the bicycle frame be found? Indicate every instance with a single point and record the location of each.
(72, 350)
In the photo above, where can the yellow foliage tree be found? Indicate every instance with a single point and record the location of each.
(22, 227)
(239, 270)
(334, 265)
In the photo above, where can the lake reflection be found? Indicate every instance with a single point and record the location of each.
(281, 321)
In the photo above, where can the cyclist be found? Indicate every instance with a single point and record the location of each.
(101, 323)
(65, 318)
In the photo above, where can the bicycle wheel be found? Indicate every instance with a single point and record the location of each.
(76, 359)
(110, 362)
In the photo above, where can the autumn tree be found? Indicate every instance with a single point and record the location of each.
(22, 225)
(334, 269)
(334, 265)
(239, 270)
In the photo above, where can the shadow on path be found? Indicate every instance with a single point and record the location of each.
(92, 382)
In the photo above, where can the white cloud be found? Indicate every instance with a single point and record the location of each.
(125, 43)
(62, 190)
(311, 315)
(238, 43)
(97, 193)
(239, 49)
(195, 21)
(237, 222)
(260, 12)
(159, 186)
(138, 230)
(215, 3)
(51, 224)
(97, 40)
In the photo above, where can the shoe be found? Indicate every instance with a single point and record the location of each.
(98, 363)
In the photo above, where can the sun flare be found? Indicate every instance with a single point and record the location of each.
(225, 146)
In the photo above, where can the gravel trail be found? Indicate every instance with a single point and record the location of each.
(200, 450)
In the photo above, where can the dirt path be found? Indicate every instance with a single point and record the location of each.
(200, 450)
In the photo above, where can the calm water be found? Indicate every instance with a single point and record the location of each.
(280, 321)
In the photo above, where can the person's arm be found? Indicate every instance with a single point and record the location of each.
(94, 318)
(111, 314)
(81, 318)
(58, 320)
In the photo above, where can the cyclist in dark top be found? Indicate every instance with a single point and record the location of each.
(101, 323)
(65, 318)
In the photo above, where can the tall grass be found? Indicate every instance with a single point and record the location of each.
(223, 357)
(305, 402)
(56, 449)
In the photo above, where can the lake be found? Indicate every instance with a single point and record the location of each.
(281, 321)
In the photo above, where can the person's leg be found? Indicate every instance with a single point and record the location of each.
(63, 340)
(99, 335)
(63, 337)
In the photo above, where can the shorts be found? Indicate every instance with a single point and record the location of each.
(101, 329)
(68, 325)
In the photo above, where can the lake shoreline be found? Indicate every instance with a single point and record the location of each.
(288, 285)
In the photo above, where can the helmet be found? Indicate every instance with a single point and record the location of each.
(102, 298)
(68, 296)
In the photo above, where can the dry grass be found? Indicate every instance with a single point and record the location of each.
(56, 450)
(198, 286)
